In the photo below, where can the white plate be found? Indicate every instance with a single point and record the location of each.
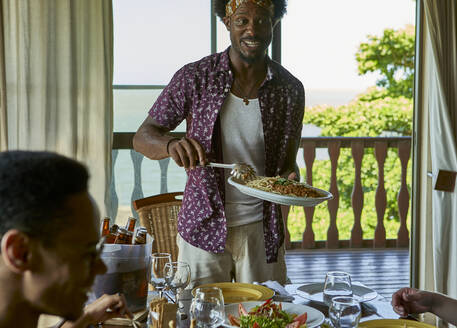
(314, 292)
(280, 199)
(315, 317)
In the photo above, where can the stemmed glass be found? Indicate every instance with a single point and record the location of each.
(158, 262)
(177, 277)
(337, 283)
(207, 307)
(344, 312)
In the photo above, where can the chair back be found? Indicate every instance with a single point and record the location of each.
(159, 214)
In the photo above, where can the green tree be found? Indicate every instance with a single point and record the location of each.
(392, 56)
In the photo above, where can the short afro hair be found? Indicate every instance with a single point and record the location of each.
(280, 8)
(34, 187)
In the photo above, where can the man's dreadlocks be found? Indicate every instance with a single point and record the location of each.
(280, 8)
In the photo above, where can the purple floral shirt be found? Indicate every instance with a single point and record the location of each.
(196, 93)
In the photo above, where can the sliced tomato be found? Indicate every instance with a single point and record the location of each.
(301, 318)
(293, 324)
(255, 325)
(242, 310)
(234, 321)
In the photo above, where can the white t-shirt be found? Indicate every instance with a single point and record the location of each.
(242, 141)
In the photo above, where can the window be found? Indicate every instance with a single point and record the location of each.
(152, 40)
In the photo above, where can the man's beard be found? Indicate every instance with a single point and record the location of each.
(252, 59)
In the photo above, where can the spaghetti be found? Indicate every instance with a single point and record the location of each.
(284, 187)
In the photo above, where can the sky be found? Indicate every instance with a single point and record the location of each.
(154, 38)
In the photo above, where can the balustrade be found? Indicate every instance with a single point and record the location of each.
(309, 145)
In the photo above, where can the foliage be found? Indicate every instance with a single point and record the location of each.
(365, 116)
(391, 55)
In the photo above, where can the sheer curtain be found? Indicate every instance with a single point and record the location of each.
(437, 210)
(58, 57)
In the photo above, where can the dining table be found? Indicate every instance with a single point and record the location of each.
(378, 308)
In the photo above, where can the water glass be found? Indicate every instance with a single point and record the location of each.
(158, 262)
(337, 283)
(177, 276)
(345, 312)
(207, 307)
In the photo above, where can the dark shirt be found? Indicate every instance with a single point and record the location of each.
(196, 93)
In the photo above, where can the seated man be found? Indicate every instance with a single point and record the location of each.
(50, 246)
(411, 301)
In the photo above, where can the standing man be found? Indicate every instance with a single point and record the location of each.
(50, 247)
(240, 106)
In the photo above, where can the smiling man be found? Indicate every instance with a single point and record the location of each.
(50, 245)
(240, 106)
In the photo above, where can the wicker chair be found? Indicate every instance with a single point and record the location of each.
(159, 214)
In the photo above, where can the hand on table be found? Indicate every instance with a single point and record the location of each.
(102, 309)
(409, 301)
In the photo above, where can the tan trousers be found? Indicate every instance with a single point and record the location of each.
(243, 260)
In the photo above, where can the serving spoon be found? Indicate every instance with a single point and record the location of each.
(240, 171)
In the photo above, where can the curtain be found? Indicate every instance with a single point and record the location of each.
(437, 242)
(58, 56)
(3, 120)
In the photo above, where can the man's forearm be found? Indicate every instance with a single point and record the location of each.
(151, 142)
(291, 159)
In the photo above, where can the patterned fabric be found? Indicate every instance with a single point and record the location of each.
(232, 5)
(196, 93)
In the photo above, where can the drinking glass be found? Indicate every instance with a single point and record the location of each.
(177, 277)
(158, 262)
(337, 283)
(207, 307)
(344, 312)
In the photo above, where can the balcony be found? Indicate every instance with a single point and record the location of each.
(380, 262)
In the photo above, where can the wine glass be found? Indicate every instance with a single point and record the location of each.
(158, 262)
(337, 283)
(207, 307)
(177, 276)
(344, 312)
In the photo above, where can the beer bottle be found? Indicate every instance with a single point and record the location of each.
(129, 237)
(111, 237)
(140, 237)
(130, 226)
(121, 237)
(105, 226)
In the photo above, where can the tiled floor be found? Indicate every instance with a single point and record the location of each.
(384, 270)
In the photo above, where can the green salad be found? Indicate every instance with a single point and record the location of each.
(267, 315)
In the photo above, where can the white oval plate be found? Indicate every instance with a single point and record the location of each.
(315, 317)
(314, 292)
(280, 199)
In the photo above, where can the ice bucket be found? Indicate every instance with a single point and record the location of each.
(127, 273)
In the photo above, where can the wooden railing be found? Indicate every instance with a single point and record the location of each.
(309, 146)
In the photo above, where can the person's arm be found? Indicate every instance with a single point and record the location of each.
(102, 309)
(152, 141)
(412, 301)
(291, 169)
(445, 308)
(294, 129)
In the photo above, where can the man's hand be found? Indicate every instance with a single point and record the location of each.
(187, 152)
(290, 176)
(409, 300)
(102, 309)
